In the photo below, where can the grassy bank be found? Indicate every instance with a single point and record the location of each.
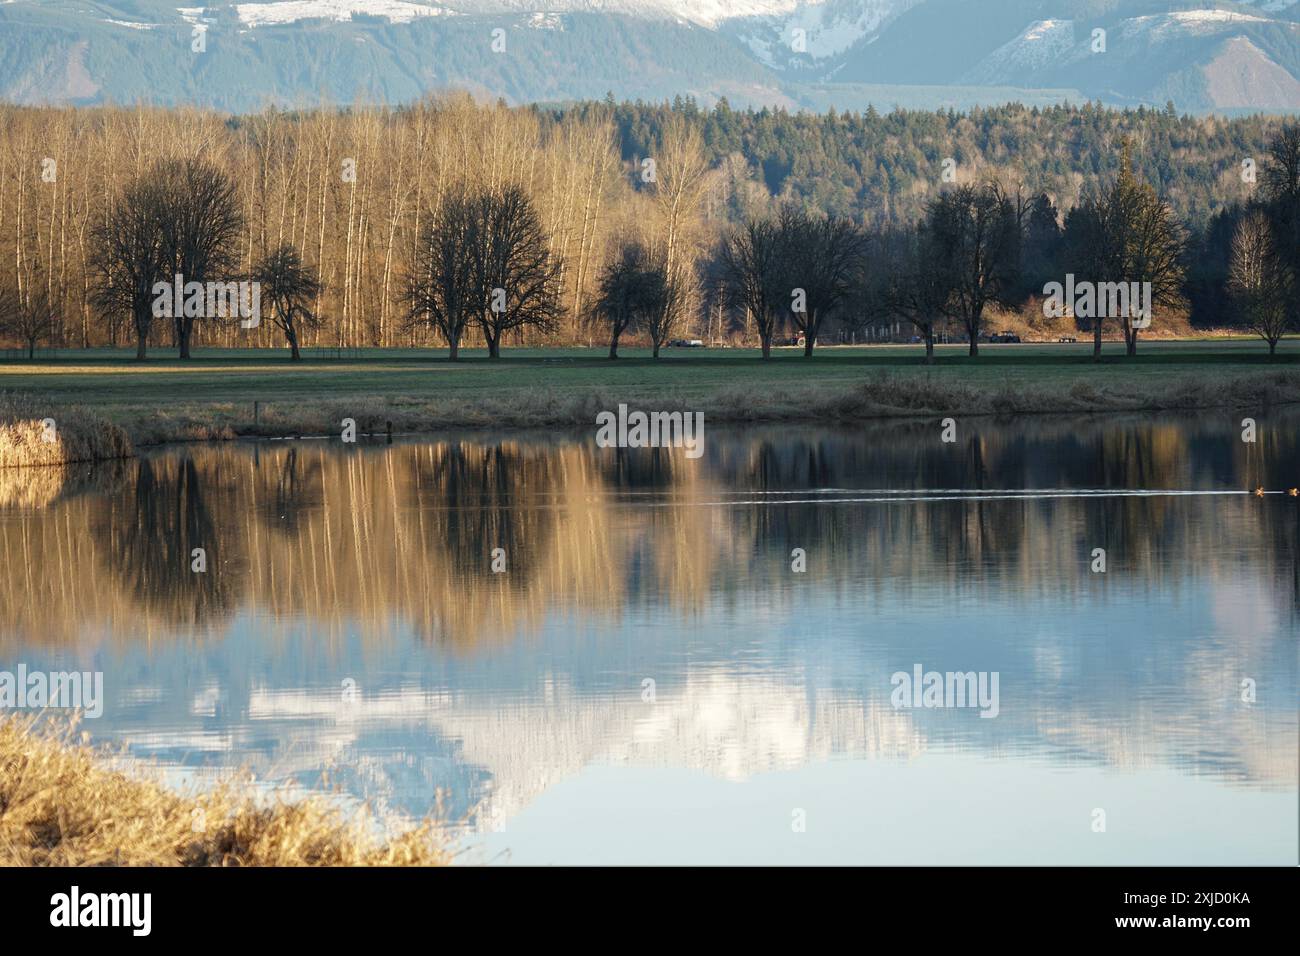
(34, 432)
(228, 394)
(62, 805)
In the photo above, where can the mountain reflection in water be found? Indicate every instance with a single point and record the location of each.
(649, 628)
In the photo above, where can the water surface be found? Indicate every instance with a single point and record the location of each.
(649, 681)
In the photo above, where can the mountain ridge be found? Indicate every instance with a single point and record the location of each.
(815, 54)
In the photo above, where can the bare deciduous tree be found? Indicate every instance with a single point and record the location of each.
(517, 276)
(753, 267)
(1258, 278)
(976, 246)
(441, 288)
(288, 288)
(906, 286)
(823, 257)
(1088, 252)
(198, 213)
(669, 301)
(31, 317)
(1154, 254)
(631, 291)
(129, 260)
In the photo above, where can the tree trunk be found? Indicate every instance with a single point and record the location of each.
(767, 346)
(494, 347)
(1272, 348)
(613, 346)
(453, 347)
(31, 350)
(808, 342)
(974, 345)
(929, 346)
(656, 347)
(140, 341)
(1131, 342)
(1096, 340)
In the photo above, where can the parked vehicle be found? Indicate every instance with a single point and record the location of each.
(1004, 337)
(1067, 338)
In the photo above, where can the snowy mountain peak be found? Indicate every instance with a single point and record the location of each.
(788, 54)
(830, 25)
(290, 11)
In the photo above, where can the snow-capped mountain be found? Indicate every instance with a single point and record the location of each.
(846, 19)
(280, 12)
(807, 33)
(703, 12)
(1221, 50)
(812, 53)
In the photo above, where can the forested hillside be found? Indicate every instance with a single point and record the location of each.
(884, 167)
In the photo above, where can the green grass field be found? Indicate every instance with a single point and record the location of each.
(107, 377)
(225, 393)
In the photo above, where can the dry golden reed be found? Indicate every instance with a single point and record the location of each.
(31, 436)
(61, 805)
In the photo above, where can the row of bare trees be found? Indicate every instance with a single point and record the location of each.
(794, 270)
(984, 245)
(416, 226)
(357, 224)
(981, 245)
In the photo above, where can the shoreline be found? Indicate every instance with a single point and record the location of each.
(880, 398)
(108, 409)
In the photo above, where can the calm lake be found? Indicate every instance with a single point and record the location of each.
(650, 679)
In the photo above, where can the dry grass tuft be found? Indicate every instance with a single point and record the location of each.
(78, 435)
(60, 806)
